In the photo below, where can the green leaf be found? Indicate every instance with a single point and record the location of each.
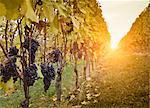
(1, 19)
(10, 8)
(30, 14)
(23, 8)
(54, 29)
(61, 9)
(55, 22)
(2, 10)
(49, 12)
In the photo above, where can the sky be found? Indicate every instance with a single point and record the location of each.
(119, 16)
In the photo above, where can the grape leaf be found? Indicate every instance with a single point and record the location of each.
(2, 10)
(30, 14)
(75, 22)
(55, 25)
(61, 9)
(49, 12)
(10, 8)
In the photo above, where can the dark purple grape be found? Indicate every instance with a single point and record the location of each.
(8, 71)
(48, 72)
(13, 51)
(56, 55)
(47, 84)
(31, 74)
(32, 58)
(5, 75)
(10, 68)
(34, 47)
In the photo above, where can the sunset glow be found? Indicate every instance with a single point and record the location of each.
(119, 16)
(114, 46)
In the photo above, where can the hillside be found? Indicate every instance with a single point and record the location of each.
(138, 38)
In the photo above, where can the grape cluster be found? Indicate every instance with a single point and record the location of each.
(10, 68)
(8, 71)
(1, 66)
(48, 72)
(13, 51)
(56, 55)
(34, 47)
(30, 74)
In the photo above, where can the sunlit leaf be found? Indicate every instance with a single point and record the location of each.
(61, 9)
(49, 12)
(11, 7)
(56, 23)
(2, 10)
(23, 8)
(30, 13)
(54, 28)
(75, 22)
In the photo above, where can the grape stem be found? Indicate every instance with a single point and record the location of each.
(25, 103)
(6, 38)
(5, 53)
(45, 43)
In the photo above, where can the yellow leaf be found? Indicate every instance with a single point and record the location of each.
(62, 10)
(10, 8)
(49, 12)
(55, 21)
(23, 8)
(75, 22)
(30, 14)
(52, 29)
(2, 10)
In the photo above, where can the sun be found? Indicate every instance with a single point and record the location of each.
(115, 39)
(114, 44)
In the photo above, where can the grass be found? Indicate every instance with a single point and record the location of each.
(120, 81)
(39, 99)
